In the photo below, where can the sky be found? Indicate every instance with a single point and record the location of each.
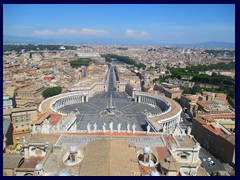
(157, 23)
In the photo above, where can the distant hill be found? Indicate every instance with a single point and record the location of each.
(210, 44)
(16, 39)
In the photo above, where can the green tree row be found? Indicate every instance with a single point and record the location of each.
(195, 89)
(202, 78)
(221, 66)
(124, 59)
(220, 52)
(226, 84)
(29, 47)
(80, 62)
(122, 48)
(51, 91)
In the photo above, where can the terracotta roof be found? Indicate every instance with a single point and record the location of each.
(162, 153)
(41, 115)
(32, 162)
(41, 119)
(54, 118)
(170, 164)
(146, 170)
(215, 131)
(206, 92)
(202, 104)
(110, 157)
(228, 115)
(47, 78)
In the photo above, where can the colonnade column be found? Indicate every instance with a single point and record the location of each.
(139, 99)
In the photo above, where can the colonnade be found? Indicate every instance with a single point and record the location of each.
(168, 126)
(167, 123)
(164, 106)
(69, 100)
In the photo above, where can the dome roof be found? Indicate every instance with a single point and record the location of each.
(147, 150)
(39, 167)
(73, 149)
(154, 173)
(63, 173)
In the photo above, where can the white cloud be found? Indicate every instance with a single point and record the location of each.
(131, 33)
(143, 33)
(43, 32)
(93, 31)
(64, 31)
(68, 31)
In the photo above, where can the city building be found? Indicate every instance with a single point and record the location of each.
(9, 101)
(215, 138)
(7, 134)
(21, 121)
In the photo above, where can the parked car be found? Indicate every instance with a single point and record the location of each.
(187, 116)
(209, 159)
(212, 163)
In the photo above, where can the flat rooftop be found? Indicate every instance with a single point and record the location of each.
(185, 141)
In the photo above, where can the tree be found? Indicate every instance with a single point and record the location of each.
(52, 91)
(141, 65)
(213, 173)
(214, 74)
(196, 89)
(80, 62)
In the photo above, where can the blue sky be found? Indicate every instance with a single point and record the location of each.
(157, 23)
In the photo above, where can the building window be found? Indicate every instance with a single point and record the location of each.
(183, 156)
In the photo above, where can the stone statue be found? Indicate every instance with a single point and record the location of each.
(104, 128)
(24, 141)
(88, 128)
(58, 126)
(189, 130)
(119, 127)
(128, 128)
(46, 121)
(134, 128)
(148, 128)
(34, 128)
(95, 127)
(111, 126)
